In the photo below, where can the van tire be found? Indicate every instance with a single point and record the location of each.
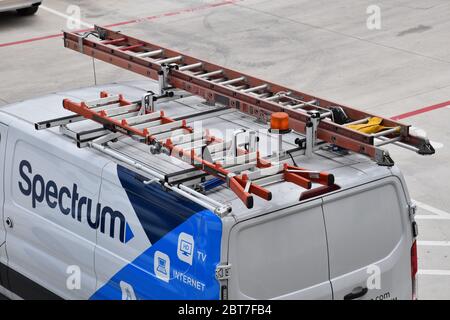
(27, 11)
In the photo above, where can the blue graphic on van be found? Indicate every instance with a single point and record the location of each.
(159, 273)
(185, 247)
(159, 210)
(79, 207)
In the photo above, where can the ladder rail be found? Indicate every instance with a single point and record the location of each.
(71, 38)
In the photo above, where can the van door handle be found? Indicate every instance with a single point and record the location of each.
(356, 293)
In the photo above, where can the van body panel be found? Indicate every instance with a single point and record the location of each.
(373, 252)
(268, 255)
(173, 247)
(50, 238)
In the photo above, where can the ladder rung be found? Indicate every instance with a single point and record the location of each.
(240, 167)
(148, 124)
(261, 95)
(167, 135)
(232, 81)
(164, 127)
(260, 173)
(126, 115)
(219, 146)
(193, 144)
(131, 48)
(114, 41)
(275, 97)
(388, 141)
(264, 86)
(386, 132)
(104, 106)
(269, 180)
(190, 66)
(245, 158)
(217, 80)
(140, 119)
(358, 121)
(184, 138)
(170, 60)
(210, 74)
(304, 104)
(149, 54)
(120, 110)
(102, 101)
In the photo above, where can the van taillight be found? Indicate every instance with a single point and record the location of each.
(414, 268)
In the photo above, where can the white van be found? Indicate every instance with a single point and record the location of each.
(79, 224)
(23, 7)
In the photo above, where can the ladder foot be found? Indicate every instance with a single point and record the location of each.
(385, 160)
(308, 194)
(426, 149)
(249, 202)
(330, 180)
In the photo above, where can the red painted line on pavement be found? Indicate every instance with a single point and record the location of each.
(8, 44)
(422, 110)
(167, 14)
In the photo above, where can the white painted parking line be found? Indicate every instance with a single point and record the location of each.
(437, 145)
(434, 243)
(430, 217)
(437, 214)
(433, 272)
(67, 17)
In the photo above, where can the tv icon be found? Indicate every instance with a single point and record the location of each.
(185, 250)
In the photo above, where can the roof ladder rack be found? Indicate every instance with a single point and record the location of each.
(251, 95)
(243, 171)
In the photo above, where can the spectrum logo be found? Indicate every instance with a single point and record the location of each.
(80, 208)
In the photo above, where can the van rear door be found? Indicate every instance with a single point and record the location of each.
(3, 261)
(281, 255)
(369, 242)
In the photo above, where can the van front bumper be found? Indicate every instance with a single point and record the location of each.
(8, 5)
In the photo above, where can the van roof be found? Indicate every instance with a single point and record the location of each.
(349, 169)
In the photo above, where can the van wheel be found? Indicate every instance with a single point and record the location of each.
(28, 11)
